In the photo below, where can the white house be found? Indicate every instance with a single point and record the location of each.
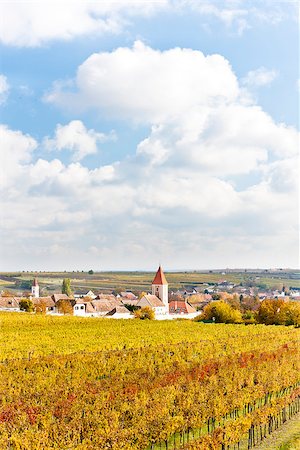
(10, 303)
(81, 294)
(153, 302)
(100, 308)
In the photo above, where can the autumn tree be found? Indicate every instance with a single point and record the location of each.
(41, 307)
(221, 312)
(7, 293)
(279, 312)
(145, 313)
(64, 307)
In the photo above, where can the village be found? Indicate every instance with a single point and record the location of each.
(164, 303)
(89, 304)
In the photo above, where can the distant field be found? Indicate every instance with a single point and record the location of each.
(141, 281)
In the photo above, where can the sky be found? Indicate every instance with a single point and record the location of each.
(140, 132)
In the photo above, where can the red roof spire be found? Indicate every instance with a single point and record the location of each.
(159, 277)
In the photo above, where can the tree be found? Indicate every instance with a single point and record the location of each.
(41, 307)
(233, 302)
(268, 311)
(249, 303)
(91, 272)
(279, 312)
(7, 293)
(64, 307)
(66, 287)
(221, 312)
(145, 313)
(26, 304)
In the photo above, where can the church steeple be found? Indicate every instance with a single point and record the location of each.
(35, 289)
(160, 287)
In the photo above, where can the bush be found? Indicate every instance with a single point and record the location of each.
(26, 304)
(145, 313)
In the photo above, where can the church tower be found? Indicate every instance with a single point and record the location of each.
(160, 287)
(35, 289)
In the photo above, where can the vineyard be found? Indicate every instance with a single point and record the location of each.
(70, 383)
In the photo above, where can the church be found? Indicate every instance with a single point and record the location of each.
(159, 299)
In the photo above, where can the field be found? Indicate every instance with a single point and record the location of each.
(71, 383)
(141, 281)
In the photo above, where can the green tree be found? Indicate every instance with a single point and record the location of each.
(91, 272)
(66, 287)
(145, 313)
(26, 304)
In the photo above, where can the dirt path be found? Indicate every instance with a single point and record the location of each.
(282, 439)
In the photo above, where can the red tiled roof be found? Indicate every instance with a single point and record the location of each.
(180, 307)
(159, 277)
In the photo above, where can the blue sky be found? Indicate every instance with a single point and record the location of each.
(126, 143)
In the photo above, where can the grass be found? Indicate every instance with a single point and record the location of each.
(287, 437)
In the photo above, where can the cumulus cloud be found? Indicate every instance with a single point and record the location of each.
(259, 77)
(35, 23)
(176, 198)
(4, 89)
(143, 84)
(16, 150)
(75, 137)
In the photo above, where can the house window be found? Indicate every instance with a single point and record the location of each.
(82, 307)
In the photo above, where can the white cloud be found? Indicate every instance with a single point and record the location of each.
(4, 89)
(147, 85)
(230, 13)
(75, 137)
(31, 24)
(16, 151)
(240, 15)
(178, 198)
(259, 77)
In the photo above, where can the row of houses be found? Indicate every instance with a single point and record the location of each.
(89, 304)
